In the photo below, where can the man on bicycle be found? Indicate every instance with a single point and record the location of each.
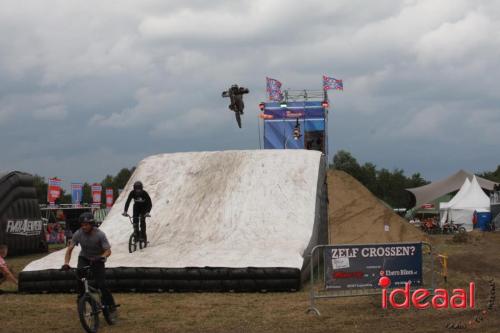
(95, 250)
(142, 207)
(235, 94)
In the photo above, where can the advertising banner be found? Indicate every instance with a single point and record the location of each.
(53, 190)
(361, 266)
(76, 193)
(109, 197)
(96, 194)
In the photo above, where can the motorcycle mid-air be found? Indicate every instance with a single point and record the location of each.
(235, 95)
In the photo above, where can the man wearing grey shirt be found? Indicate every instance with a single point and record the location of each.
(95, 250)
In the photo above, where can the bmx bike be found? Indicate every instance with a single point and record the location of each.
(136, 240)
(90, 305)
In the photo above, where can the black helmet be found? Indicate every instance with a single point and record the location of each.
(86, 217)
(137, 185)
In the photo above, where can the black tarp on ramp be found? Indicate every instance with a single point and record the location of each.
(21, 226)
(207, 279)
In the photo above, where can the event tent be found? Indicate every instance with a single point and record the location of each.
(429, 192)
(444, 206)
(461, 210)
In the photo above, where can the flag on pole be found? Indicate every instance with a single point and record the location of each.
(96, 195)
(273, 88)
(109, 197)
(53, 190)
(332, 83)
(76, 193)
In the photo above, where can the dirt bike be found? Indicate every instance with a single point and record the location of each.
(452, 228)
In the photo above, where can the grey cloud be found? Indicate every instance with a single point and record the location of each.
(107, 83)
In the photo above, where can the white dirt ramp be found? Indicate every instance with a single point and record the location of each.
(230, 209)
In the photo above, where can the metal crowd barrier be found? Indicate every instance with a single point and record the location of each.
(322, 294)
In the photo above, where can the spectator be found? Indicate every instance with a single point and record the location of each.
(5, 272)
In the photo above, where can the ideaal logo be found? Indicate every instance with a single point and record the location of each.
(440, 300)
(24, 227)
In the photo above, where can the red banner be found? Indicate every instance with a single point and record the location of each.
(109, 197)
(54, 190)
(96, 195)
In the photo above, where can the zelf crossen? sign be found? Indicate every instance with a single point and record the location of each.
(360, 266)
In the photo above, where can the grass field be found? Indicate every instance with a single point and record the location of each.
(477, 259)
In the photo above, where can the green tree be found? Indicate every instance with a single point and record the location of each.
(388, 186)
(87, 193)
(41, 188)
(122, 177)
(492, 175)
(344, 161)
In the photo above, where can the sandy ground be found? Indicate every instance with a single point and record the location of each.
(356, 216)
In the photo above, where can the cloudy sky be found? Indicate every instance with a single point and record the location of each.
(88, 87)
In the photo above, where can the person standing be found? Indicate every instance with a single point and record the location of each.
(142, 207)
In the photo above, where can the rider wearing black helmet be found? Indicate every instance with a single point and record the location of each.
(95, 250)
(142, 207)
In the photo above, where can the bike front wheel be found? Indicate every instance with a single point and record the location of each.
(88, 311)
(132, 243)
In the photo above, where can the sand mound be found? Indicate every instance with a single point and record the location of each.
(356, 216)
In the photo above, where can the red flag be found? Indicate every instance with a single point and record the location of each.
(53, 190)
(96, 194)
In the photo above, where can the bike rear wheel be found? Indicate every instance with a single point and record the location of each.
(143, 243)
(132, 243)
(88, 310)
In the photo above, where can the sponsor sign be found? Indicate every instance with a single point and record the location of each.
(24, 227)
(76, 193)
(109, 197)
(53, 190)
(360, 266)
(96, 194)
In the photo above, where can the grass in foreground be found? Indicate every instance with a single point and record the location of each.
(477, 259)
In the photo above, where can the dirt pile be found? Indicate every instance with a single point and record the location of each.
(356, 216)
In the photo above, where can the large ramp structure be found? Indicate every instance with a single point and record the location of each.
(221, 221)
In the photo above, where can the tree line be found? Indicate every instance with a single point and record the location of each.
(116, 182)
(389, 186)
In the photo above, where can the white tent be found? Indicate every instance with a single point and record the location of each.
(443, 206)
(462, 210)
